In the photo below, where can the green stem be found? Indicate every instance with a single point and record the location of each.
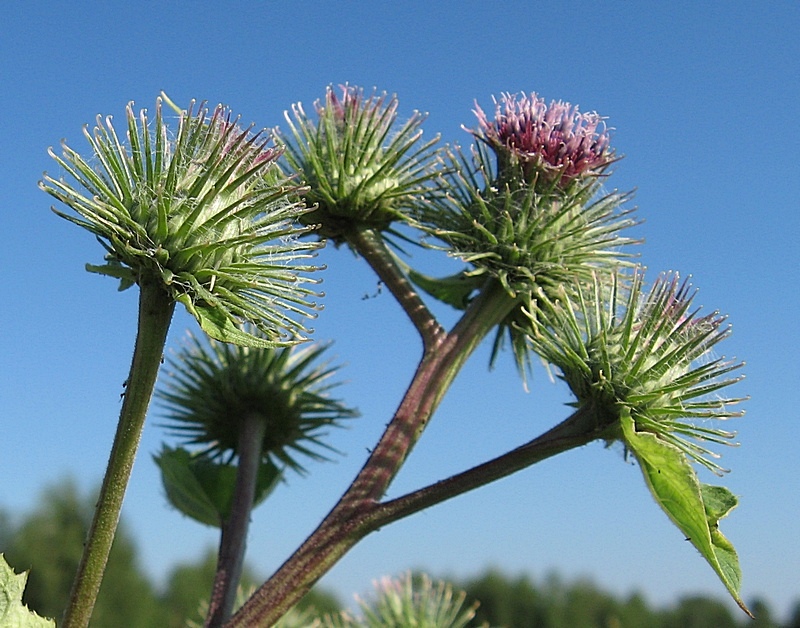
(155, 314)
(350, 520)
(233, 539)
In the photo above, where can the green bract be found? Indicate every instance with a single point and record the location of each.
(213, 388)
(361, 171)
(407, 601)
(200, 213)
(528, 237)
(650, 354)
(525, 237)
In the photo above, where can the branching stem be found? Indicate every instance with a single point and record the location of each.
(351, 519)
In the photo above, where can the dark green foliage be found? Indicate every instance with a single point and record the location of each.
(794, 617)
(521, 603)
(49, 541)
(189, 586)
(323, 602)
(701, 612)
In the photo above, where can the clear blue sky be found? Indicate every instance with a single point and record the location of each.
(704, 99)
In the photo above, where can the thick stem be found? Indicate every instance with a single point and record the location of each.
(234, 530)
(350, 520)
(155, 314)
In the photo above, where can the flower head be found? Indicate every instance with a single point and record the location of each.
(554, 143)
(196, 214)
(649, 356)
(360, 169)
(214, 386)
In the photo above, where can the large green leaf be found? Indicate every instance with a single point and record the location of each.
(203, 489)
(13, 613)
(694, 507)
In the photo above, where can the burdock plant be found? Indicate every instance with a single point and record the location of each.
(188, 218)
(263, 407)
(526, 210)
(546, 263)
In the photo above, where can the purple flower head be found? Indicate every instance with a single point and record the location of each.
(554, 141)
(349, 104)
(251, 148)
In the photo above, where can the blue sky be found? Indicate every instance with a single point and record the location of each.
(703, 98)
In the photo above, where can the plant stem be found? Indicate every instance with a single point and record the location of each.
(155, 315)
(371, 246)
(577, 430)
(233, 539)
(350, 520)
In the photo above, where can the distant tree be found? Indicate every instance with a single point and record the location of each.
(794, 616)
(700, 612)
(763, 615)
(635, 612)
(323, 602)
(49, 542)
(585, 606)
(189, 584)
(5, 530)
(508, 603)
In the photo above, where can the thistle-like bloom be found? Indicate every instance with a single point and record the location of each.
(526, 237)
(200, 214)
(213, 388)
(361, 171)
(650, 356)
(553, 144)
(407, 601)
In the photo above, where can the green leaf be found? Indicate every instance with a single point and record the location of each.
(203, 489)
(220, 327)
(116, 270)
(454, 290)
(184, 491)
(13, 613)
(694, 507)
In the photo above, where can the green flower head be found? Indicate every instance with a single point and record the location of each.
(213, 387)
(361, 170)
(201, 214)
(647, 356)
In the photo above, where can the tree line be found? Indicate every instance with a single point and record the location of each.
(48, 542)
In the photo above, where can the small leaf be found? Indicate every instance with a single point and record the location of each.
(203, 489)
(454, 290)
(221, 328)
(184, 490)
(694, 507)
(13, 613)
